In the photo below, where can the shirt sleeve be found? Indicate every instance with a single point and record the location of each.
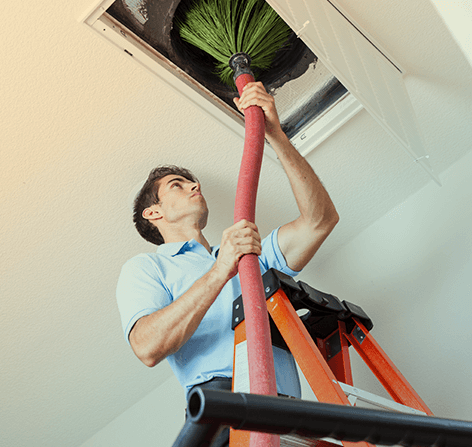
(139, 292)
(272, 256)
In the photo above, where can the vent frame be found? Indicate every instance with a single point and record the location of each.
(125, 41)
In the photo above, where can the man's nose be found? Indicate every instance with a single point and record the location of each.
(196, 187)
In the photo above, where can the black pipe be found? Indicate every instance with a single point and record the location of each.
(282, 415)
(197, 435)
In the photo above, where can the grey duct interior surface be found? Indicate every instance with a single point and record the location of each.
(303, 87)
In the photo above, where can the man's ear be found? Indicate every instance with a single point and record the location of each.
(151, 213)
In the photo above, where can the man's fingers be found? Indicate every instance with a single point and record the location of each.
(241, 226)
(243, 237)
(245, 223)
(236, 102)
(254, 99)
(248, 240)
(248, 231)
(244, 232)
(254, 94)
(247, 249)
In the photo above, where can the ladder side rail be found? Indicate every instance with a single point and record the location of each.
(335, 350)
(384, 369)
(238, 438)
(314, 367)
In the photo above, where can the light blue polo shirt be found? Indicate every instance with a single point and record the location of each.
(150, 281)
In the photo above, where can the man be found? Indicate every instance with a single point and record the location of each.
(176, 303)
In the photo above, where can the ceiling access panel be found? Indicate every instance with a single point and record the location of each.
(311, 102)
(331, 70)
(364, 68)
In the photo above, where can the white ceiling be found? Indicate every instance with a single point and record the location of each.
(82, 124)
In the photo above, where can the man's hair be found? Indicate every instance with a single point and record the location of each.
(148, 196)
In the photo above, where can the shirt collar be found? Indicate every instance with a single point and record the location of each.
(175, 248)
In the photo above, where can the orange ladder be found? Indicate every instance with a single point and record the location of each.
(319, 342)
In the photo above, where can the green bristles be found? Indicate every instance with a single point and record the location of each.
(222, 28)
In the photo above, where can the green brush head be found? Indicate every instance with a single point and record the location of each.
(222, 28)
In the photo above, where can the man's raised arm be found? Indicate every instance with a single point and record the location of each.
(300, 239)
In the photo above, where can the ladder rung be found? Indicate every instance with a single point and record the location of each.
(301, 441)
(378, 401)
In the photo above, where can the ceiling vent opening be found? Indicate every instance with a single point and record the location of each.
(304, 89)
(315, 95)
(153, 21)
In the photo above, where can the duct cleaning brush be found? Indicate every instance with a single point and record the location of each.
(240, 35)
(223, 28)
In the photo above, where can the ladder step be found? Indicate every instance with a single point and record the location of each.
(300, 441)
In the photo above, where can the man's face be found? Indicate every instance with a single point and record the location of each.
(181, 199)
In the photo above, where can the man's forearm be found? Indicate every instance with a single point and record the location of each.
(163, 332)
(300, 239)
(314, 203)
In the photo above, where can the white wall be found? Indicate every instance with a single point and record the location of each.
(458, 18)
(411, 272)
(154, 421)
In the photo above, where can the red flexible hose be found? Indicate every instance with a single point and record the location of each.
(259, 346)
